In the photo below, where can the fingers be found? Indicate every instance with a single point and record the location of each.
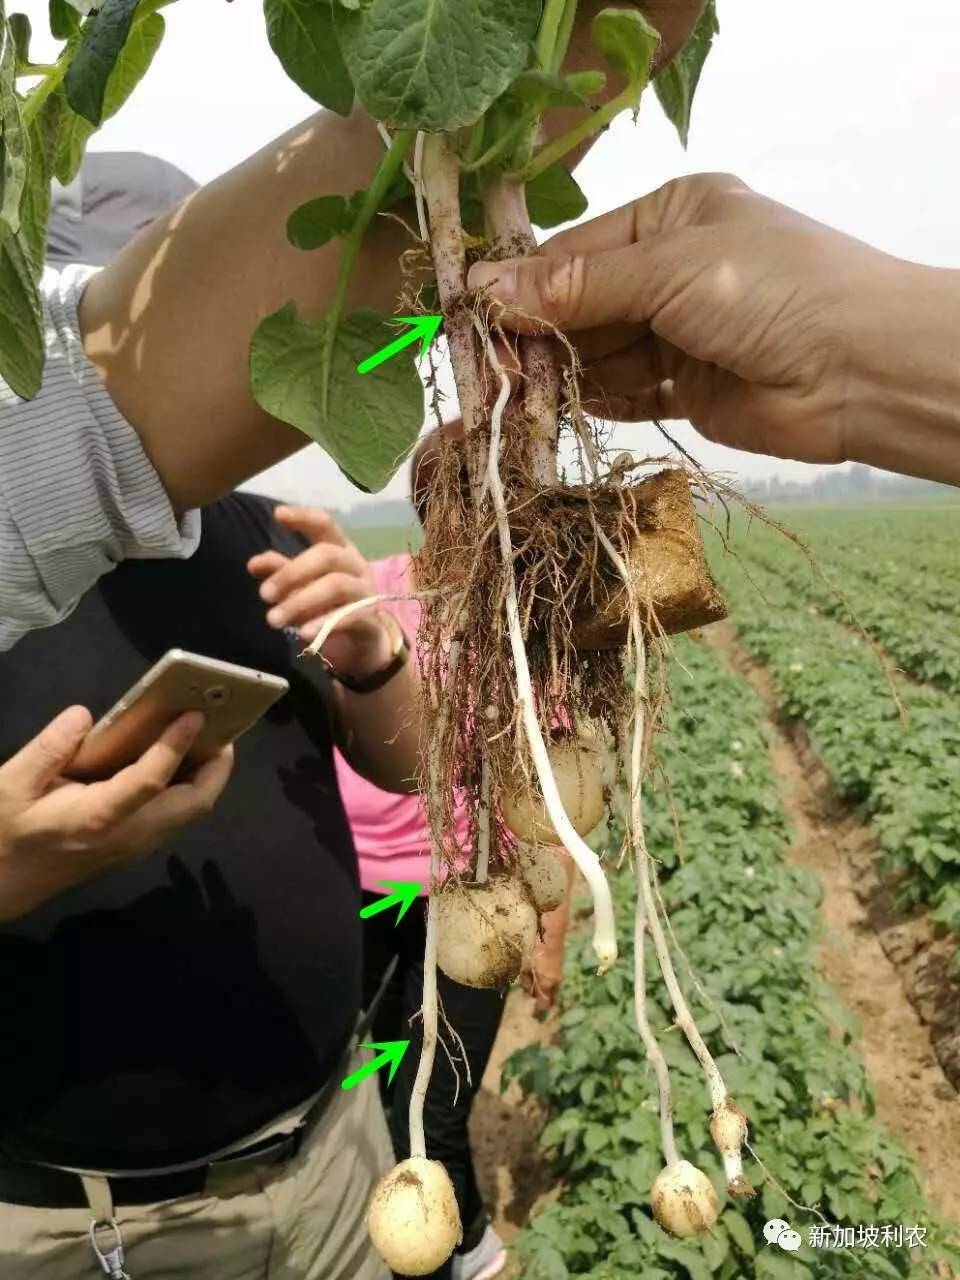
(266, 564)
(143, 781)
(626, 386)
(36, 765)
(194, 797)
(317, 598)
(318, 525)
(575, 291)
(176, 806)
(310, 568)
(616, 267)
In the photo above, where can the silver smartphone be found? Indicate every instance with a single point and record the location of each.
(231, 698)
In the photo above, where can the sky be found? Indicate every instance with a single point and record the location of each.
(846, 109)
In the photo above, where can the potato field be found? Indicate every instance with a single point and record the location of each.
(792, 676)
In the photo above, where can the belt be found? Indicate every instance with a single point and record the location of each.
(44, 1186)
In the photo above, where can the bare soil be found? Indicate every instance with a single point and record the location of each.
(512, 1173)
(890, 971)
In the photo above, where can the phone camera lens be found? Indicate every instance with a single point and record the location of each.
(217, 695)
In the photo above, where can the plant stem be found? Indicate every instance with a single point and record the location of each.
(654, 1052)
(441, 186)
(583, 130)
(35, 100)
(497, 148)
(553, 14)
(474, 141)
(640, 920)
(604, 929)
(389, 166)
(564, 33)
(418, 1095)
(506, 207)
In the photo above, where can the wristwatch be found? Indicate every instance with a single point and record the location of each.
(400, 653)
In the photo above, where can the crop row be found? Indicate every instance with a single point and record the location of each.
(913, 553)
(748, 922)
(922, 640)
(903, 775)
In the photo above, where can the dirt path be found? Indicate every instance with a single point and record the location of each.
(914, 1098)
(504, 1128)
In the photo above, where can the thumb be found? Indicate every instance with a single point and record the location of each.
(47, 755)
(587, 290)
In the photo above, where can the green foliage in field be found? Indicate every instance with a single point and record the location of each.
(903, 778)
(899, 572)
(378, 541)
(749, 923)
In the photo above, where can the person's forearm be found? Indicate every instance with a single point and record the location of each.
(169, 322)
(903, 411)
(381, 731)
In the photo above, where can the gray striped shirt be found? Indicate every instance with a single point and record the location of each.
(77, 492)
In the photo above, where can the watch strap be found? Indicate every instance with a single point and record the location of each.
(377, 679)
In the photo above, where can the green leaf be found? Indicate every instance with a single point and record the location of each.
(315, 223)
(104, 36)
(64, 19)
(21, 321)
(677, 83)
(587, 83)
(554, 197)
(435, 64)
(21, 32)
(14, 147)
(35, 208)
(627, 42)
(373, 421)
(541, 89)
(302, 36)
(130, 68)
(688, 1257)
(779, 1266)
(740, 1233)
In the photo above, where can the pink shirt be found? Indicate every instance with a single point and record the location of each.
(390, 831)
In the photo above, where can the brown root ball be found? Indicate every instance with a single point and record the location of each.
(485, 931)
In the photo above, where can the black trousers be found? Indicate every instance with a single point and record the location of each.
(474, 1014)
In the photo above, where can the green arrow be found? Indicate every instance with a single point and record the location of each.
(404, 891)
(391, 1051)
(423, 327)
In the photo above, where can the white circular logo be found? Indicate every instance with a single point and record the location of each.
(774, 1229)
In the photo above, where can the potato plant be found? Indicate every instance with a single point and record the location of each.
(902, 779)
(749, 921)
(541, 591)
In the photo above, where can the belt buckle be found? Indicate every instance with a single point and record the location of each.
(111, 1262)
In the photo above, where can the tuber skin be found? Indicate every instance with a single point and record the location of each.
(579, 777)
(413, 1219)
(486, 931)
(683, 1200)
(544, 876)
(728, 1128)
